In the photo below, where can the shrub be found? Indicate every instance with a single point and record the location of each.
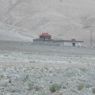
(80, 86)
(30, 86)
(93, 90)
(54, 87)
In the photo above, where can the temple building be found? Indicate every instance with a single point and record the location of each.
(46, 39)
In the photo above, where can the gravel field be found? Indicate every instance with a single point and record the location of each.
(47, 71)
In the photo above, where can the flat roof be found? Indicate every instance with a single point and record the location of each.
(52, 40)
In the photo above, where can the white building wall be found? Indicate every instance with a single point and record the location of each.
(78, 44)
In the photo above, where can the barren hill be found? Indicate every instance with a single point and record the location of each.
(64, 19)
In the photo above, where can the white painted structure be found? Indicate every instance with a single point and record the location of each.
(46, 39)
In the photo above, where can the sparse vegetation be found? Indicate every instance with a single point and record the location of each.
(93, 90)
(80, 87)
(54, 87)
(47, 79)
(30, 86)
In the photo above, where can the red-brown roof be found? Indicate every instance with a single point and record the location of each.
(45, 34)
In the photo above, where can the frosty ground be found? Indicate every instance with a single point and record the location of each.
(47, 71)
